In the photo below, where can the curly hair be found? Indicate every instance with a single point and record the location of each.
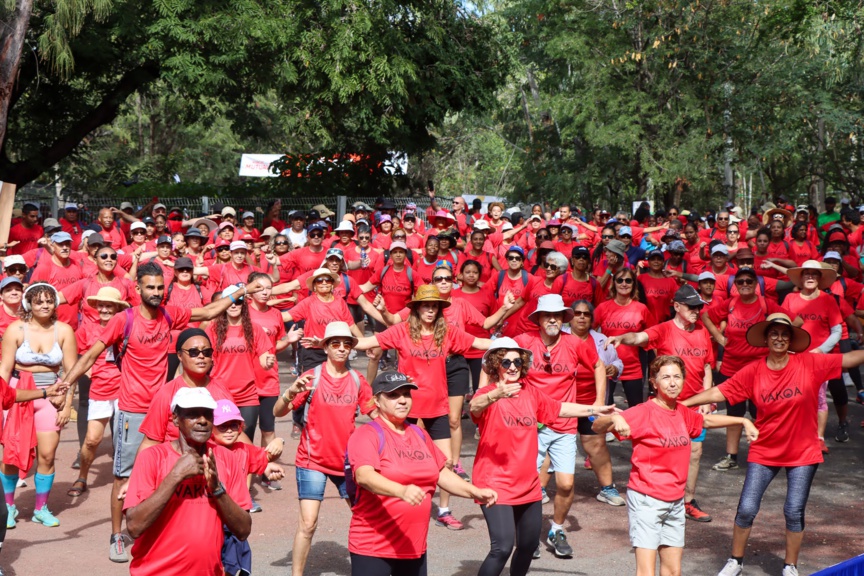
(492, 363)
(662, 361)
(220, 326)
(34, 294)
(439, 327)
(613, 291)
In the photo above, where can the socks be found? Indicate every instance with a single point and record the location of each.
(9, 481)
(734, 457)
(443, 511)
(739, 560)
(43, 488)
(555, 527)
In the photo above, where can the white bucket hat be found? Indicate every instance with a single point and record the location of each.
(505, 343)
(338, 330)
(551, 304)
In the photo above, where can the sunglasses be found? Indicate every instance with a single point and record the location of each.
(623, 281)
(137, 231)
(107, 256)
(580, 257)
(222, 249)
(543, 237)
(622, 236)
(581, 314)
(233, 425)
(324, 280)
(673, 213)
(607, 236)
(547, 357)
(438, 279)
(17, 269)
(550, 266)
(281, 243)
(514, 258)
(399, 237)
(722, 219)
(367, 238)
(341, 344)
(316, 235)
(195, 352)
(747, 282)
(182, 270)
(507, 363)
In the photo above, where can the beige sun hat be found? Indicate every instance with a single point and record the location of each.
(107, 294)
(321, 272)
(756, 333)
(338, 330)
(827, 279)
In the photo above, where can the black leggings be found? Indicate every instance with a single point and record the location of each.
(633, 390)
(250, 420)
(264, 417)
(173, 365)
(519, 524)
(475, 365)
(83, 408)
(854, 373)
(372, 566)
(838, 392)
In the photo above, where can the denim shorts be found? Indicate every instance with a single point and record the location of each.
(311, 484)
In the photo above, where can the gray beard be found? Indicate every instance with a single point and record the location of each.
(552, 331)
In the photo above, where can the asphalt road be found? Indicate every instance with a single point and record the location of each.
(597, 532)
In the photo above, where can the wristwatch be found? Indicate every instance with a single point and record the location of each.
(44, 393)
(218, 492)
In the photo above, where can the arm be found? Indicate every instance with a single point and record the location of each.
(600, 382)
(369, 308)
(573, 410)
(853, 359)
(722, 421)
(216, 307)
(769, 263)
(367, 343)
(828, 345)
(712, 329)
(616, 422)
(628, 339)
(70, 355)
(449, 481)
(85, 362)
(368, 479)
(237, 520)
(712, 395)
(498, 316)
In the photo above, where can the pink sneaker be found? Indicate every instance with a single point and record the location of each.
(449, 521)
(588, 463)
(457, 468)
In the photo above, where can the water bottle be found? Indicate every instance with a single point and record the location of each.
(362, 257)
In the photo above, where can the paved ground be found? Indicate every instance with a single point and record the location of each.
(598, 532)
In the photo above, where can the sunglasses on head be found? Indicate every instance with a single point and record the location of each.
(624, 281)
(195, 352)
(107, 256)
(506, 363)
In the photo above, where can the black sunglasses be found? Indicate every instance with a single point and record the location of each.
(316, 235)
(438, 279)
(624, 281)
(107, 256)
(514, 258)
(195, 352)
(506, 363)
(281, 243)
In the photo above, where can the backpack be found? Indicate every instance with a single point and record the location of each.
(32, 269)
(408, 270)
(316, 378)
(731, 280)
(501, 275)
(350, 485)
(171, 289)
(127, 332)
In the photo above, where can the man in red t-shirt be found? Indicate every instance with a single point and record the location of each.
(110, 232)
(27, 232)
(186, 484)
(141, 338)
(684, 338)
(69, 222)
(60, 271)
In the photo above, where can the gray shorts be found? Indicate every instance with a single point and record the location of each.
(653, 522)
(127, 440)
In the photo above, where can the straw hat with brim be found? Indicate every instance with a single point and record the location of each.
(771, 215)
(338, 330)
(825, 282)
(211, 225)
(756, 333)
(506, 344)
(107, 294)
(428, 293)
(551, 304)
(321, 272)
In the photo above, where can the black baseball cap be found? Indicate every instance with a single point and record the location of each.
(390, 381)
(688, 296)
(580, 251)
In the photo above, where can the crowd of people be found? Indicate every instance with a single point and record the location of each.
(166, 330)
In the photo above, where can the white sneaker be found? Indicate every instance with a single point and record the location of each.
(789, 570)
(847, 379)
(610, 437)
(732, 568)
(21, 483)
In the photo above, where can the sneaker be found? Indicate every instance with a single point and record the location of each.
(725, 463)
(860, 397)
(457, 468)
(449, 521)
(477, 433)
(271, 484)
(545, 499)
(587, 463)
(296, 431)
(117, 552)
(732, 568)
(847, 380)
(21, 483)
(255, 508)
(693, 512)
(43, 516)
(77, 463)
(558, 542)
(611, 496)
(822, 446)
(12, 514)
(610, 437)
(789, 570)
(842, 434)
(536, 553)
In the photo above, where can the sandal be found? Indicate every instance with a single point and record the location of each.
(76, 491)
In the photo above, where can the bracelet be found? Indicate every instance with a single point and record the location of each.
(218, 492)
(44, 393)
(233, 301)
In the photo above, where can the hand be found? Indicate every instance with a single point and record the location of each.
(509, 390)
(14, 243)
(40, 242)
(267, 360)
(378, 303)
(412, 495)
(274, 472)
(59, 402)
(485, 496)
(601, 410)
(613, 259)
(310, 342)
(611, 372)
(211, 474)
(509, 301)
(621, 426)
(274, 448)
(63, 416)
(299, 385)
(705, 409)
(59, 388)
(750, 431)
(294, 334)
(190, 464)
(254, 286)
(121, 493)
(613, 341)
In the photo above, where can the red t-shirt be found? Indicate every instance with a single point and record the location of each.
(114, 237)
(319, 314)
(395, 287)
(423, 270)
(484, 302)
(519, 289)
(224, 275)
(76, 295)
(234, 362)
(485, 259)
(166, 546)
(613, 319)
(819, 315)
(507, 452)
(426, 364)
(159, 423)
(786, 403)
(267, 381)
(739, 318)
(695, 348)
(27, 238)
(303, 259)
(658, 293)
(104, 375)
(565, 373)
(60, 277)
(572, 290)
(385, 526)
(74, 229)
(145, 363)
(330, 422)
(253, 459)
(661, 448)
(800, 254)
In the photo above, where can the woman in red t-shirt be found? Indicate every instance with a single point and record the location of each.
(624, 313)
(784, 388)
(482, 298)
(656, 289)
(508, 413)
(396, 467)
(661, 430)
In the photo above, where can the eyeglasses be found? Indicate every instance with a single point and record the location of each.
(779, 335)
(340, 344)
(233, 425)
(107, 256)
(195, 352)
(506, 363)
(514, 258)
(137, 231)
(581, 314)
(223, 249)
(607, 236)
(623, 280)
(438, 279)
(745, 282)
(722, 219)
(673, 213)
(580, 257)
(729, 231)
(361, 238)
(316, 235)
(323, 280)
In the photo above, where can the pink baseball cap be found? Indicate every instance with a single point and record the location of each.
(226, 411)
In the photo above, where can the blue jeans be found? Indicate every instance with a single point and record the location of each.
(798, 481)
(311, 484)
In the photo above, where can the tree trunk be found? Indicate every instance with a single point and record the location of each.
(11, 44)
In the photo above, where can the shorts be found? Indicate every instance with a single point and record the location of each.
(357, 313)
(127, 440)
(438, 427)
(701, 437)
(99, 409)
(458, 376)
(311, 484)
(45, 416)
(653, 522)
(561, 449)
(584, 427)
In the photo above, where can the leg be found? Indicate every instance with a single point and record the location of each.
(635, 391)
(670, 560)
(370, 566)
(266, 420)
(755, 483)
(798, 482)
(83, 408)
(692, 472)
(95, 433)
(822, 414)
(564, 496)
(601, 461)
(529, 520)
(250, 420)
(501, 523)
(610, 391)
(840, 397)
(454, 418)
(117, 504)
(443, 444)
(646, 561)
(307, 523)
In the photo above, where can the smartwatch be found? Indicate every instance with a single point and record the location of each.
(218, 492)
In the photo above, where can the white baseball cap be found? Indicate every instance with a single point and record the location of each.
(192, 398)
(707, 276)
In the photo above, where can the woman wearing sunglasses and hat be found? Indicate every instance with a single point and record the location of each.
(508, 413)
(785, 389)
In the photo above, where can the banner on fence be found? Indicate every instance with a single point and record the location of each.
(258, 165)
